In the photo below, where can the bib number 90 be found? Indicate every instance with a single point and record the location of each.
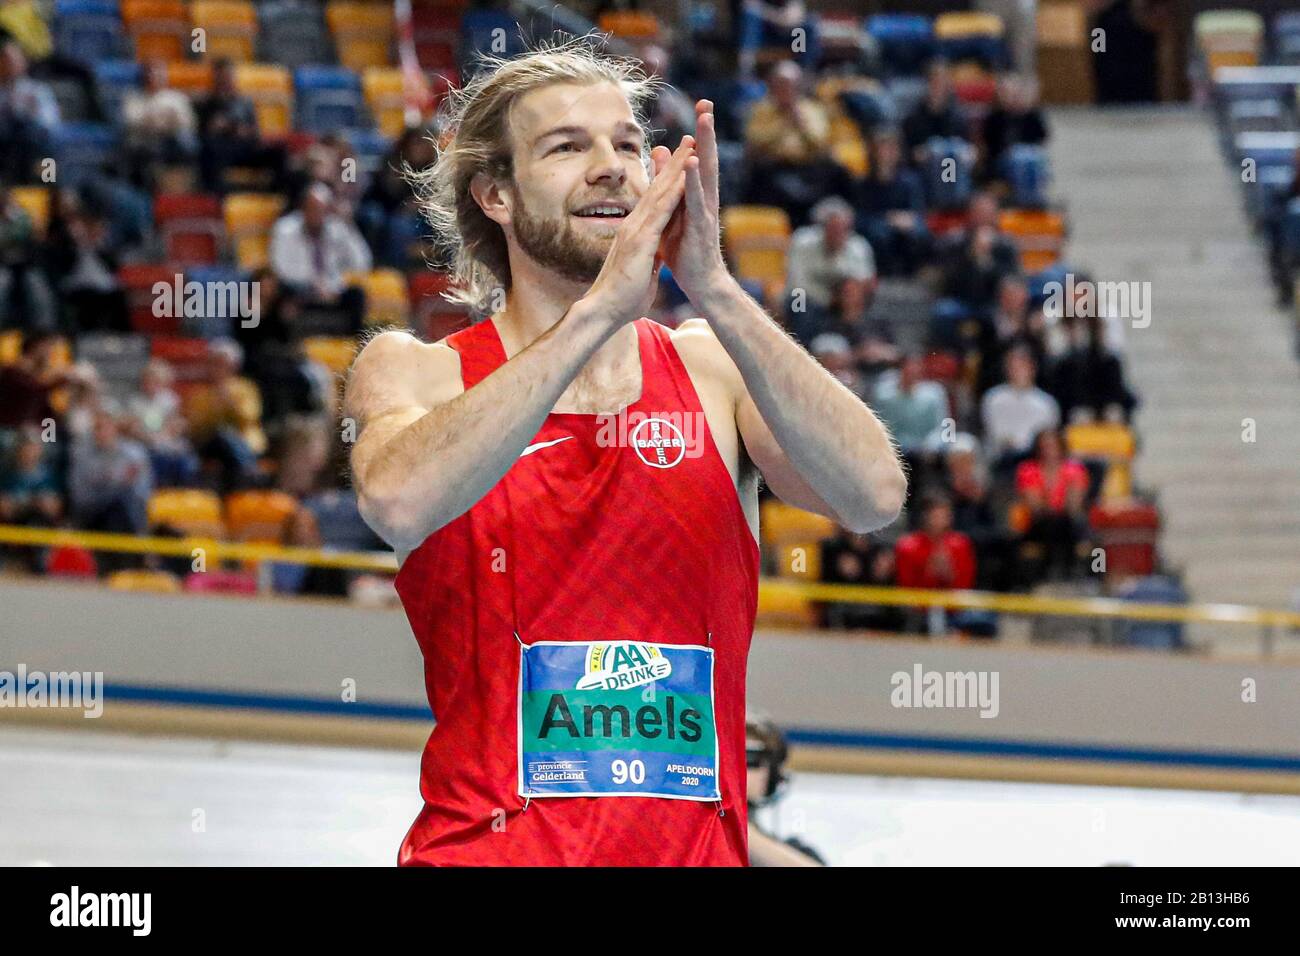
(624, 771)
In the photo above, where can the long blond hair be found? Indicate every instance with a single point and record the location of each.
(475, 137)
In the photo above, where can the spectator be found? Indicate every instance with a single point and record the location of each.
(1014, 119)
(836, 356)
(26, 301)
(1088, 380)
(671, 112)
(890, 203)
(92, 294)
(29, 493)
(914, 409)
(109, 483)
(84, 399)
(936, 115)
(303, 454)
(772, 23)
(25, 385)
(171, 455)
(1016, 411)
(226, 418)
(1012, 322)
(831, 272)
(974, 514)
(849, 558)
(227, 124)
(787, 143)
(389, 215)
(1053, 491)
(153, 407)
(29, 114)
(935, 556)
(312, 250)
(160, 126)
(979, 256)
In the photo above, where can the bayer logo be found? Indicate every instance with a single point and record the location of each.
(658, 443)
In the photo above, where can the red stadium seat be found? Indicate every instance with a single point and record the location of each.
(138, 282)
(193, 230)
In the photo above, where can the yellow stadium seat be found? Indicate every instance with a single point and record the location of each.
(1111, 442)
(11, 346)
(151, 582)
(259, 515)
(249, 218)
(781, 524)
(1039, 236)
(35, 201)
(230, 25)
(270, 87)
(950, 26)
(363, 33)
(385, 96)
(159, 29)
(333, 352)
(847, 146)
(1217, 60)
(630, 24)
(757, 239)
(191, 511)
(387, 296)
(190, 76)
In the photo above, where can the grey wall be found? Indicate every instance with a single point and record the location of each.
(301, 651)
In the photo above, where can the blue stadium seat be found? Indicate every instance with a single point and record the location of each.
(340, 522)
(946, 319)
(88, 30)
(870, 109)
(990, 51)
(113, 80)
(1154, 635)
(905, 41)
(293, 35)
(1026, 169)
(211, 326)
(949, 172)
(329, 99)
(479, 35)
(81, 150)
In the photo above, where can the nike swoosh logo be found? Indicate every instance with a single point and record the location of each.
(542, 444)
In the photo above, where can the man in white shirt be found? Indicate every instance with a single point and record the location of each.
(160, 124)
(313, 250)
(830, 272)
(1017, 410)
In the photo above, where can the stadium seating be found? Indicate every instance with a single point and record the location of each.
(230, 27)
(270, 87)
(293, 34)
(159, 29)
(328, 98)
(249, 218)
(89, 31)
(363, 33)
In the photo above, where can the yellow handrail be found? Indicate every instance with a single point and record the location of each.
(386, 562)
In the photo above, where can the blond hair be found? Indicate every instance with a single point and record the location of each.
(474, 120)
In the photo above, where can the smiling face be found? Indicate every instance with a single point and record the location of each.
(578, 170)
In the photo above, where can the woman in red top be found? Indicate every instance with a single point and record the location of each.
(1054, 490)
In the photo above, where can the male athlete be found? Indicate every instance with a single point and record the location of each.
(571, 488)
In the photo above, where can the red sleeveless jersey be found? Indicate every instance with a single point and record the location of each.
(600, 532)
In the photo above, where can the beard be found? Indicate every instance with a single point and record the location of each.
(553, 243)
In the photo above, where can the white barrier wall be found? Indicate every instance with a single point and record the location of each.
(825, 688)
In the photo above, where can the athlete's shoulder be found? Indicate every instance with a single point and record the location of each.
(705, 356)
(396, 367)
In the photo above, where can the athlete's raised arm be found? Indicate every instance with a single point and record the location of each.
(816, 443)
(426, 449)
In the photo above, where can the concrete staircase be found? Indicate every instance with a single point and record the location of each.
(1151, 199)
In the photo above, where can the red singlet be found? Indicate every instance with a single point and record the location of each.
(588, 537)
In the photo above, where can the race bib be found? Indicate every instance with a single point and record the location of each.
(617, 719)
